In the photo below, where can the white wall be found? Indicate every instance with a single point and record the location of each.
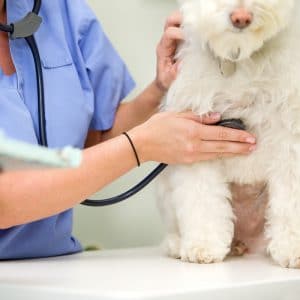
(134, 27)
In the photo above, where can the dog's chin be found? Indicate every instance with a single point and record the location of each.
(235, 50)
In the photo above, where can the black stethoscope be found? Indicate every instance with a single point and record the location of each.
(26, 28)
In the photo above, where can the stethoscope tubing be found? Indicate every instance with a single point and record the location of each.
(40, 90)
(128, 194)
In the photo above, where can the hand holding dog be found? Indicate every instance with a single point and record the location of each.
(166, 50)
(184, 138)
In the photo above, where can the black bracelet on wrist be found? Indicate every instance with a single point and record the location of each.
(133, 148)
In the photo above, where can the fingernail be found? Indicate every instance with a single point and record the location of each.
(251, 140)
(252, 148)
(215, 116)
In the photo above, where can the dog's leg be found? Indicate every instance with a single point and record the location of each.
(283, 216)
(204, 213)
(171, 244)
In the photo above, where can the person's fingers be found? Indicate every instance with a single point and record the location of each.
(171, 36)
(210, 118)
(226, 147)
(175, 19)
(221, 133)
(190, 116)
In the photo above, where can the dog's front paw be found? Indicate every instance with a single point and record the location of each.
(202, 253)
(286, 252)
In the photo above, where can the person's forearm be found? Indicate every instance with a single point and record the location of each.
(27, 196)
(136, 111)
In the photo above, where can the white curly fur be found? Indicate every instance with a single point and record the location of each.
(195, 200)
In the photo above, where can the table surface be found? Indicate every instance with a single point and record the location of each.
(146, 274)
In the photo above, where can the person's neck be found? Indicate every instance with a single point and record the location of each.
(3, 11)
(2, 7)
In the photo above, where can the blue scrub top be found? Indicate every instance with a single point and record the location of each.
(85, 80)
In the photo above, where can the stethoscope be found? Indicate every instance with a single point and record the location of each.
(26, 28)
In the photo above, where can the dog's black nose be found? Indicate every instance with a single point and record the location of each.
(241, 18)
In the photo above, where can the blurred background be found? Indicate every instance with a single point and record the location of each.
(135, 28)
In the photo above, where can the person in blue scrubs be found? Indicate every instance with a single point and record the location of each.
(85, 81)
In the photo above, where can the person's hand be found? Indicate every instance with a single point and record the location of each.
(166, 50)
(184, 138)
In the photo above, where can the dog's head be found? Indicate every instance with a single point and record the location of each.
(235, 29)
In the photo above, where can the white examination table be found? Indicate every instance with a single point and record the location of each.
(145, 274)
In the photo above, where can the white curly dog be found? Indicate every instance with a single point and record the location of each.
(240, 58)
